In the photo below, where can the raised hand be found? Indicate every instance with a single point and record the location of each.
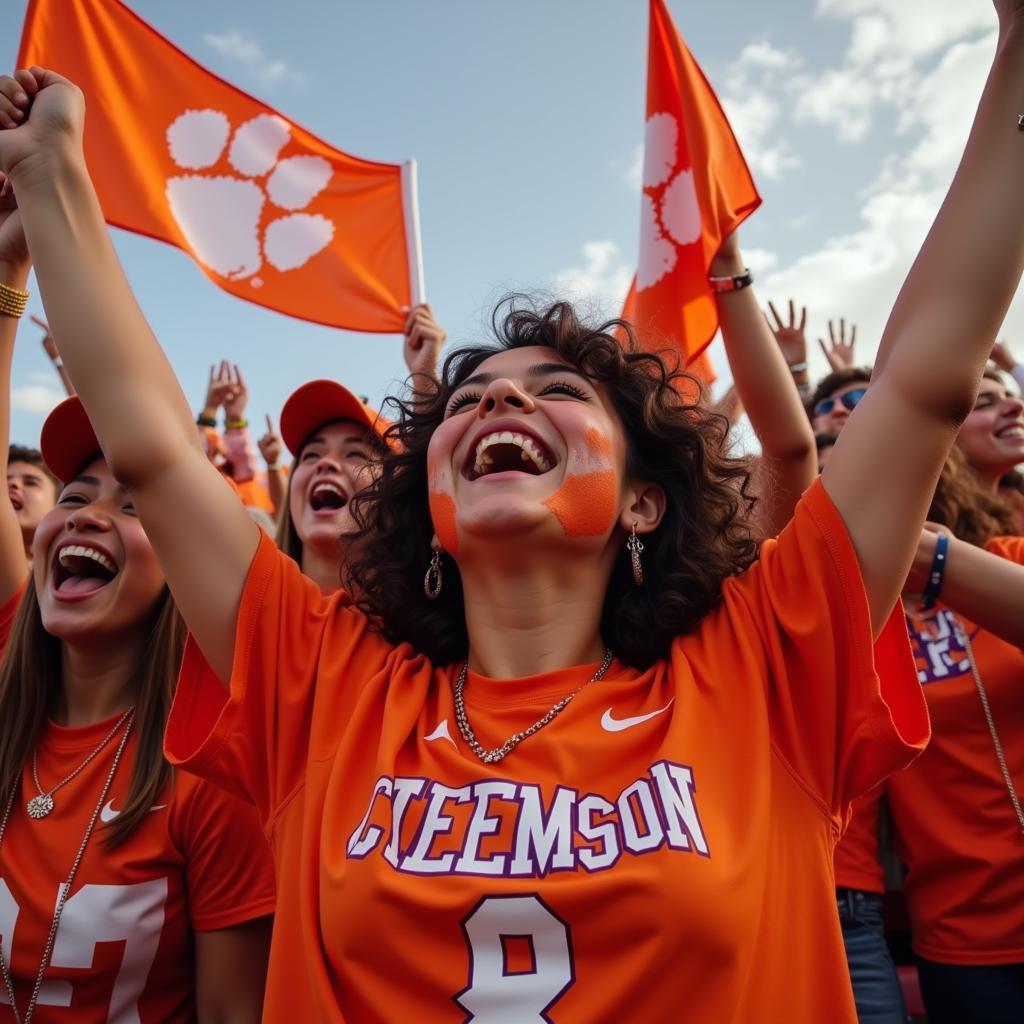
(790, 336)
(40, 112)
(236, 396)
(424, 337)
(1003, 357)
(839, 350)
(270, 446)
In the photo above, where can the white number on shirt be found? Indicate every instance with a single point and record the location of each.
(499, 990)
(133, 914)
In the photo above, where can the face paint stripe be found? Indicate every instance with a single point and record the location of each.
(442, 512)
(585, 505)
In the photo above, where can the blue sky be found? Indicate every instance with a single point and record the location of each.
(526, 120)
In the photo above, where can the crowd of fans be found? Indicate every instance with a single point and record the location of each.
(345, 766)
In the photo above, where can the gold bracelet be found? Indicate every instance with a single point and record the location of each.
(13, 301)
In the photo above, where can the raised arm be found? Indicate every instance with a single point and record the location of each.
(202, 535)
(765, 386)
(14, 267)
(939, 334)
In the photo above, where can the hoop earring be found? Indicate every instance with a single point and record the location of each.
(634, 546)
(433, 580)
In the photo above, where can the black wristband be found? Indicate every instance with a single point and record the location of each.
(937, 574)
(206, 421)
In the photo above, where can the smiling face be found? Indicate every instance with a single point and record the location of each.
(94, 570)
(527, 443)
(32, 494)
(992, 435)
(335, 463)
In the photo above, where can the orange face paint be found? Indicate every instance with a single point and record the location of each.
(585, 505)
(442, 512)
(599, 443)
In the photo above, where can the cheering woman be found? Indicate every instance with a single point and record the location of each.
(583, 752)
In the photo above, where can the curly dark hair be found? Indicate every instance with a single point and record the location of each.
(960, 502)
(705, 536)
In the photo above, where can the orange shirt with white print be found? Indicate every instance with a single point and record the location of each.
(125, 948)
(956, 828)
(664, 846)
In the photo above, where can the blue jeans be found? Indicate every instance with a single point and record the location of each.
(876, 989)
(968, 994)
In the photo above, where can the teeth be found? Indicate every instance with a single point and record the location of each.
(78, 551)
(326, 485)
(530, 452)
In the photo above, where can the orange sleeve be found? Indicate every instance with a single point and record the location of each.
(845, 711)
(229, 870)
(253, 737)
(1010, 548)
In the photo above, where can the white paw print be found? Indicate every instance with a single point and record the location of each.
(669, 214)
(221, 215)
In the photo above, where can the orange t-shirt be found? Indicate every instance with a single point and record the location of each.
(125, 948)
(662, 848)
(956, 829)
(856, 859)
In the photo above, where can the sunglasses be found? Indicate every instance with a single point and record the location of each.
(849, 400)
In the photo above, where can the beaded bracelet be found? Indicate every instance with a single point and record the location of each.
(236, 424)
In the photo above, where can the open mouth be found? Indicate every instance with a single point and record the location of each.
(82, 569)
(1013, 431)
(509, 451)
(327, 495)
(16, 503)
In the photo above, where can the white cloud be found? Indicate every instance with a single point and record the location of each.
(243, 49)
(752, 97)
(600, 281)
(37, 398)
(858, 274)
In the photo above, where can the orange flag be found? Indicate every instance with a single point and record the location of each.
(696, 190)
(270, 212)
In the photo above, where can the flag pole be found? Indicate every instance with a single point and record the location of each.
(413, 245)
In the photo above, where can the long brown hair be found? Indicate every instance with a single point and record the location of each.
(962, 504)
(30, 674)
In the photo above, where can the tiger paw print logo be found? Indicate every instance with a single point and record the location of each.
(229, 220)
(670, 213)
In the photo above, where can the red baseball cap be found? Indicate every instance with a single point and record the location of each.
(68, 441)
(318, 402)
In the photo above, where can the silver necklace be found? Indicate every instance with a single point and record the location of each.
(65, 887)
(961, 635)
(495, 755)
(40, 806)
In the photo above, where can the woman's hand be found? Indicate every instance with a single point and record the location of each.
(41, 114)
(790, 336)
(839, 350)
(424, 337)
(270, 446)
(14, 257)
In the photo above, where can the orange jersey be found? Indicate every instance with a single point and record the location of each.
(857, 863)
(956, 828)
(662, 848)
(124, 950)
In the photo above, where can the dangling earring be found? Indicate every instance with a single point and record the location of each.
(634, 546)
(433, 580)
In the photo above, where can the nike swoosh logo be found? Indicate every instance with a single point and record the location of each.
(441, 733)
(108, 814)
(610, 724)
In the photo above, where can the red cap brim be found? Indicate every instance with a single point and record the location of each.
(319, 402)
(67, 441)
